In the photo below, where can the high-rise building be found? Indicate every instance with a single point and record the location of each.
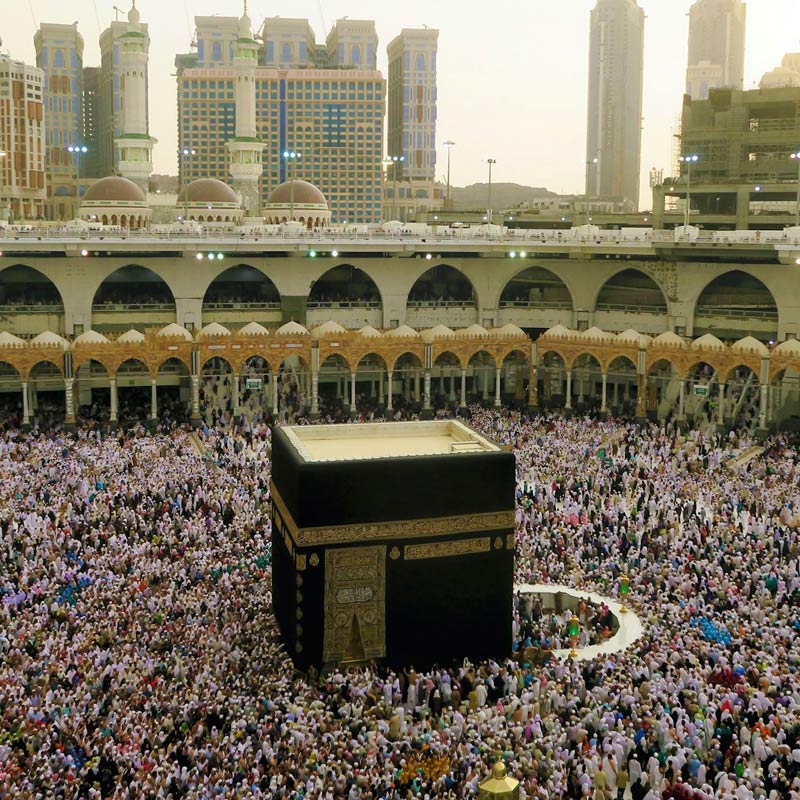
(353, 43)
(412, 102)
(716, 46)
(614, 129)
(22, 140)
(124, 49)
(287, 43)
(59, 54)
(744, 176)
(216, 40)
(332, 117)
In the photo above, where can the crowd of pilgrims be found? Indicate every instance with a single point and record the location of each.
(139, 657)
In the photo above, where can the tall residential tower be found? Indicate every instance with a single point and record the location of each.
(59, 54)
(22, 141)
(716, 46)
(412, 96)
(614, 130)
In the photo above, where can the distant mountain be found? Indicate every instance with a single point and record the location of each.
(504, 195)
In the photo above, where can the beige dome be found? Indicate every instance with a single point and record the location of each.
(114, 189)
(208, 190)
(305, 193)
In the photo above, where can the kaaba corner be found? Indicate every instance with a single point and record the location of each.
(392, 541)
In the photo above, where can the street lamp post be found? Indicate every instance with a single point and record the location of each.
(395, 161)
(77, 150)
(796, 157)
(187, 153)
(688, 160)
(449, 144)
(291, 156)
(491, 162)
(593, 163)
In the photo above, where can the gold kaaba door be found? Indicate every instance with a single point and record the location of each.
(355, 604)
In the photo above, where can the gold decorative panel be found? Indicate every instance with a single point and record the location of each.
(355, 604)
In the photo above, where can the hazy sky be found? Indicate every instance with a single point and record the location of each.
(512, 73)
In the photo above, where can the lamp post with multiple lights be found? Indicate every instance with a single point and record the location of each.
(395, 162)
(449, 144)
(688, 160)
(491, 162)
(186, 154)
(77, 150)
(291, 157)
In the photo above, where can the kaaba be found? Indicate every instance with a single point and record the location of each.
(393, 542)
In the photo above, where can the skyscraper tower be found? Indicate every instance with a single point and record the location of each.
(245, 149)
(135, 143)
(716, 46)
(614, 130)
(59, 53)
(412, 102)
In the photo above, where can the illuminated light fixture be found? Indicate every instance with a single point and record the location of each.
(312, 253)
(797, 261)
(220, 256)
(84, 252)
(199, 256)
(512, 254)
(428, 257)
(758, 188)
(523, 254)
(335, 253)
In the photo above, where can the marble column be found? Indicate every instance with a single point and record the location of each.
(26, 412)
(389, 391)
(114, 400)
(153, 399)
(568, 403)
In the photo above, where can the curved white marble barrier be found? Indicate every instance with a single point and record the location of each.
(630, 626)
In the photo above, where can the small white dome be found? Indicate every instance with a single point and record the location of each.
(9, 340)
(558, 332)
(329, 328)
(175, 331)
(631, 336)
(669, 339)
(292, 328)
(791, 347)
(370, 332)
(131, 337)
(750, 345)
(253, 329)
(91, 337)
(509, 329)
(473, 331)
(50, 339)
(212, 330)
(595, 334)
(402, 332)
(438, 332)
(708, 342)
